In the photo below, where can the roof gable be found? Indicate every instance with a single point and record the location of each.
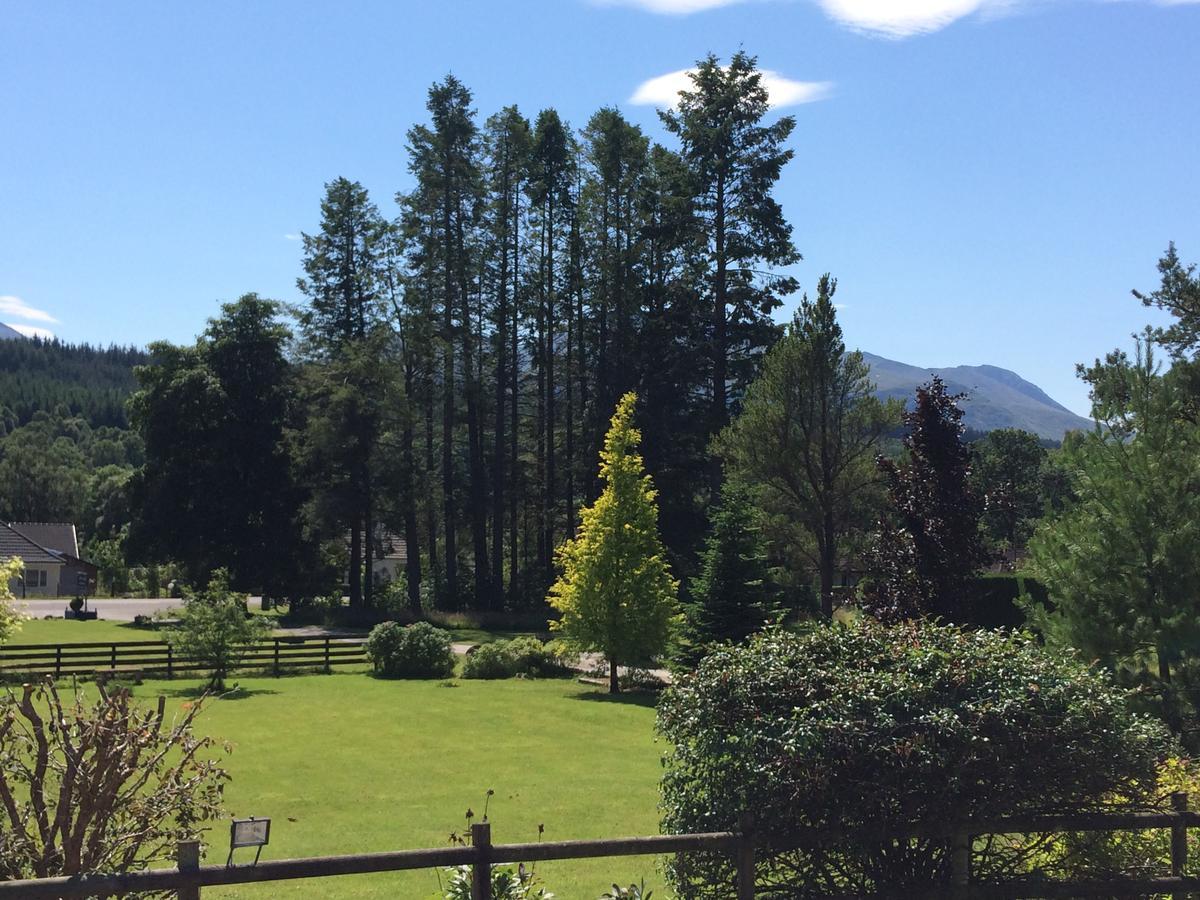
(13, 543)
(58, 536)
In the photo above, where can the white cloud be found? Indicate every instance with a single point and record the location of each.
(15, 306)
(31, 330)
(292, 237)
(904, 18)
(664, 90)
(670, 7)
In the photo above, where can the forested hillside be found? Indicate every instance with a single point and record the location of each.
(72, 379)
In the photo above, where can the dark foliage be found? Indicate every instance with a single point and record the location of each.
(928, 546)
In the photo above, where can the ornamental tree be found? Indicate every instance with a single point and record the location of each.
(616, 595)
(215, 629)
(928, 548)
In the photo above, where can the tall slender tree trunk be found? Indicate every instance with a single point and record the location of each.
(431, 525)
(449, 284)
(551, 451)
(499, 455)
(514, 581)
(720, 413)
(368, 548)
(412, 539)
(355, 571)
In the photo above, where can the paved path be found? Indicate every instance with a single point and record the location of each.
(116, 610)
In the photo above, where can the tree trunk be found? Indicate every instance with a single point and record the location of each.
(355, 571)
(450, 281)
(614, 681)
(720, 350)
(412, 540)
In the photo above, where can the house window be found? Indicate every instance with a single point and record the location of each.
(35, 577)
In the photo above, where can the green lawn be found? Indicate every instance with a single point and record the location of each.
(350, 763)
(71, 631)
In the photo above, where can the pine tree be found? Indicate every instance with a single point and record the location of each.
(729, 598)
(929, 545)
(616, 595)
(806, 436)
(735, 161)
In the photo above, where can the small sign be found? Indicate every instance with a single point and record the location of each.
(250, 832)
(81, 582)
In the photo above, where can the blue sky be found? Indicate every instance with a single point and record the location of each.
(986, 178)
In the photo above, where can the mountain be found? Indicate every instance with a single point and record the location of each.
(9, 334)
(996, 398)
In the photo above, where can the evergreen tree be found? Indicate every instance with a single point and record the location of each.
(806, 435)
(345, 282)
(1119, 560)
(729, 597)
(615, 594)
(735, 161)
(928, 547)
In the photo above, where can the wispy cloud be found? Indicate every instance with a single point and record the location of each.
(885, 18)
(669, 7)
(292, 237)
(18, 308)
(31, 330)
(664, 90)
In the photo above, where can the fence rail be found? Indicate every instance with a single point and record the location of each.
(158, 657)
(188, 877)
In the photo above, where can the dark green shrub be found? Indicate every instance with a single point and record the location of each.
(418, 649)
(490, 661)
(870, 728)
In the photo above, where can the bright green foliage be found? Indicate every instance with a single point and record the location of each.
(508, 883)
(871, 726)
(1120, 560)
(215, 630)
(10, 619)
(419, 650)
(616, 595)
(807, 437)
(729, 597)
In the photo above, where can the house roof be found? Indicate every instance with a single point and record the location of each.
(58, 536)
(13, 543)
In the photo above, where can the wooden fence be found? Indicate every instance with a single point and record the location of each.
(188, 877)
(276, 655)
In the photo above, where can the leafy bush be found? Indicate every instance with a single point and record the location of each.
(490, 661)
(870, 728)
(508, 883)
(521, 656)
(10, 619)
(215, 629)
(418, 649)
(633, 892)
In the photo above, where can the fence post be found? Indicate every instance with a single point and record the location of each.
(58, 661)
(1179, 848)
(481, 869)
(187, 859)
(114, 657)
(327, 669)
(276, 657)
(960, 861)
(745, 857)
(170, 661)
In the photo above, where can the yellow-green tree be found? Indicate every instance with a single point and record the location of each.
(10, 619)
(616, 595)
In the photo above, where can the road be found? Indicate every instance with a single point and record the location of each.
(115, 610)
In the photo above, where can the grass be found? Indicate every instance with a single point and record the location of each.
(350, 763)
(72, 631)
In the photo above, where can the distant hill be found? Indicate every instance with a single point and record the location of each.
(9, 334)
(997, 398)
(75, 379)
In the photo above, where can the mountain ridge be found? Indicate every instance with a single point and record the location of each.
(996, 397)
